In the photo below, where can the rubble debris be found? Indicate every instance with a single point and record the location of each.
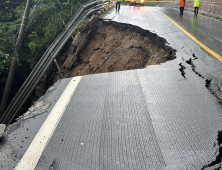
(2, 129)
(102, 46)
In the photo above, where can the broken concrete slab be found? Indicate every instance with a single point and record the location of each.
(79, 43)
(2, 129)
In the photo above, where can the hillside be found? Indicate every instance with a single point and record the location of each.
(48, 18)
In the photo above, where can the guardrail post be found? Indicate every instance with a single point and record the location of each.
(47, 58)
(58, 68)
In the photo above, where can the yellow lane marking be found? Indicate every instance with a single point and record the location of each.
(66, 60)
(76, 37)
(215, 5)
(207, 49)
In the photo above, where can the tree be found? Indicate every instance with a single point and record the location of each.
(48, 20)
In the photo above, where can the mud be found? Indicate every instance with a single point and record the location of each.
(110, 47)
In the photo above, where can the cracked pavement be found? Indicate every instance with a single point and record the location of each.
(165, 116)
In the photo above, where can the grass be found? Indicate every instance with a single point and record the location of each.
(150, 3)
(220, 19)
(106, 11)
(78, 27)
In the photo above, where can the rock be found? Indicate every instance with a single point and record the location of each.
(2, 129)
(135, 45)
(77, 45)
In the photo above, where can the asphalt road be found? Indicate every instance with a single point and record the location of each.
(160, 117)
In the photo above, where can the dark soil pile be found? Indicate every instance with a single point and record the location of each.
(110, 46)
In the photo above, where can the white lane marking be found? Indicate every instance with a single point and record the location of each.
(34, 152)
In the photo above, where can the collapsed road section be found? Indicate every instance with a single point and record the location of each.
(163, 116)
(102, 46)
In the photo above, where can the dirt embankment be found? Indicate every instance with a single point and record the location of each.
(102, 46)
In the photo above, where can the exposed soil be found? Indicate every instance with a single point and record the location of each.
(110, 46)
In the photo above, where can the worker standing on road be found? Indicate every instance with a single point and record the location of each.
(196, 6)
(182, 5)
(118, 2)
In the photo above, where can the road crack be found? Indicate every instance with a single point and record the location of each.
(208, 81)
(219, 156)
(208, 84)
(181, 69)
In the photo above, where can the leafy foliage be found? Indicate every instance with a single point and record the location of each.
(49, 18)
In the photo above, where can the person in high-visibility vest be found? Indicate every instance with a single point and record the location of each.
(182, 5)
(118, 2)
(196, 6)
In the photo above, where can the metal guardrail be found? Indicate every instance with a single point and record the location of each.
(45, 61)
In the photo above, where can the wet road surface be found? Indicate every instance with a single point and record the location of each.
(160, 117)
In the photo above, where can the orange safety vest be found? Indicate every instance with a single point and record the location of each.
(182, 3)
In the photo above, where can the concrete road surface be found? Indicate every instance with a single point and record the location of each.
(162, 117)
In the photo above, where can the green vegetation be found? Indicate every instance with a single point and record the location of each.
(220, 19)
(105, 12)
(83, 22)
(49, 19)
(150, 3)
